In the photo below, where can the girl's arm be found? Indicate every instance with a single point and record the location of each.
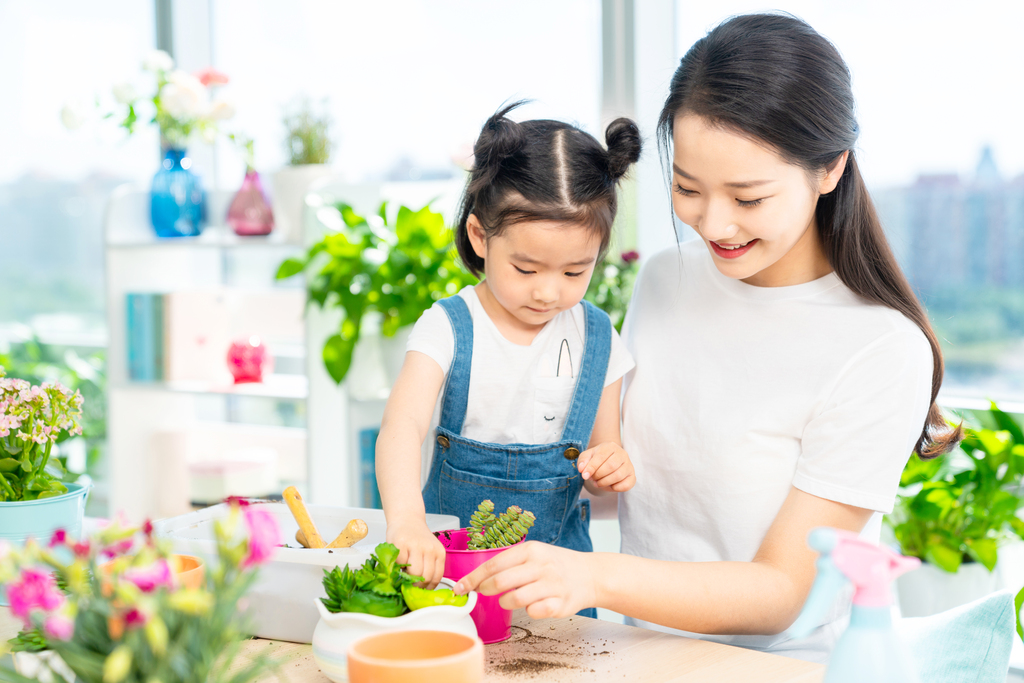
(760, 597)
(402, 431)
(605, 465)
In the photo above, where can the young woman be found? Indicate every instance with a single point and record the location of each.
(785, 370)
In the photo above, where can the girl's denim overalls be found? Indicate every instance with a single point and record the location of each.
(541, 478)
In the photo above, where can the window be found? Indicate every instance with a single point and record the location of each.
(54, 183)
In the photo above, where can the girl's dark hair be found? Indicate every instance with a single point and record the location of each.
(543, 170)
(773, 78)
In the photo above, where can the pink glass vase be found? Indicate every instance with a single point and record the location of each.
(248, 360)
(249, 213)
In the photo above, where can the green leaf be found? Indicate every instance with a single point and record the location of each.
(348, 214)
(1006, 423)
(338, 356)
(918, 470)
(8, 465)
(943, 556)
(54, 468)
(1017, 603)
(983, 550)
(51, 494)
(290, 267)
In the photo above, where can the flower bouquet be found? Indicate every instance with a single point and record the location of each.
(111, 609)
(32, 418)
(183, 106)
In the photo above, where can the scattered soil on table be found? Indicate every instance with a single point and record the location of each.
(530, 667)
(528, 655)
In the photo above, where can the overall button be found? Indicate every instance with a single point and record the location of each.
(571, 453)
(443, 440)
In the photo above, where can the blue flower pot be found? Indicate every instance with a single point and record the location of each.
(40, 518)
(176, 198)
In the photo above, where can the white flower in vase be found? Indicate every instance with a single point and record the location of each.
(157, 61)
(184, 97)
(125, 93)
(221, 110)
(73, 115)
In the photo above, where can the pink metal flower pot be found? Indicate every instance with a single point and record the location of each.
(493, 622)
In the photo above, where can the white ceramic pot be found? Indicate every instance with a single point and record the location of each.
(335, 632)
(929, 590)
(290, 185)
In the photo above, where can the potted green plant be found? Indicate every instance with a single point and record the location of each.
(396, 267)
(611, 287)
(111, 609)
(308, 148)
(955, 512)
(380, 596)
(34, 500)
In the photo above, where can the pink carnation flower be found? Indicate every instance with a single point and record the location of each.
(59, 627)
(264, 536)
(148, 579)
(35, 590)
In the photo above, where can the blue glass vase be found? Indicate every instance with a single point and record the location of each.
(176, 200)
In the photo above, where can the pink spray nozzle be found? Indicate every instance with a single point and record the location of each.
(870, 568)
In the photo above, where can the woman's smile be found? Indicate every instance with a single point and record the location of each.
(724, 250)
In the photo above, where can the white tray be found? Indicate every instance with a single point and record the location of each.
(282, 602)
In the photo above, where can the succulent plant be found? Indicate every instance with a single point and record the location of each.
(508, 528)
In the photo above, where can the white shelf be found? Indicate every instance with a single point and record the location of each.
(273, 386)
(212, 236)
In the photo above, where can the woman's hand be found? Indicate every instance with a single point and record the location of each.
(548, 581)
(608, 466)
(419, 548)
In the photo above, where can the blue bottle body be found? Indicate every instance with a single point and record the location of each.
(870, 650)
(176, 207)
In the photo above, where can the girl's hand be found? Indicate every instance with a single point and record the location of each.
(548, 581)
(608, 466)
(419, 548)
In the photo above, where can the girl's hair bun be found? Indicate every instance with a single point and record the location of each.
(624, 143)
(499, 139)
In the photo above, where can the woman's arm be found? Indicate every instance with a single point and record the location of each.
(402, 431)
(605, 465)
(760, 597)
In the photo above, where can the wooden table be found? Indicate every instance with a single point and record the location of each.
(577, 649)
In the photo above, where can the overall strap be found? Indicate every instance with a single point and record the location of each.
(590, 383)
(456, 386)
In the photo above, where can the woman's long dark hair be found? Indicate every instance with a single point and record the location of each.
(775, 79)
(543, 170)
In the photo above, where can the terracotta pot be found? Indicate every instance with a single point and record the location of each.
(189, 570)
(422, 656)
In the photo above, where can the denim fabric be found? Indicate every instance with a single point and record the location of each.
(536, 477)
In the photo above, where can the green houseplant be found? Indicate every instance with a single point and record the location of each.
(611, 287)
(963, 507)
(955, 513)
(397, 267)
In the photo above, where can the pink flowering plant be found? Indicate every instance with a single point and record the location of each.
(32, 419)
(110, 608)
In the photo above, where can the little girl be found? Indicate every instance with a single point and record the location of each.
(511, 388)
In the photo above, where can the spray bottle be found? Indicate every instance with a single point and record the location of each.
(869, 650)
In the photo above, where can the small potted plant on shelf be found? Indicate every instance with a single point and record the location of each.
(396, 268)
(380, 596)
(34, 501)
(308, 147)
(955, 512)
(109, 608)
(466, 549)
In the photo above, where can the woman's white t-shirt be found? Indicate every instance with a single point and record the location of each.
(741, 393)
(517, 393)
